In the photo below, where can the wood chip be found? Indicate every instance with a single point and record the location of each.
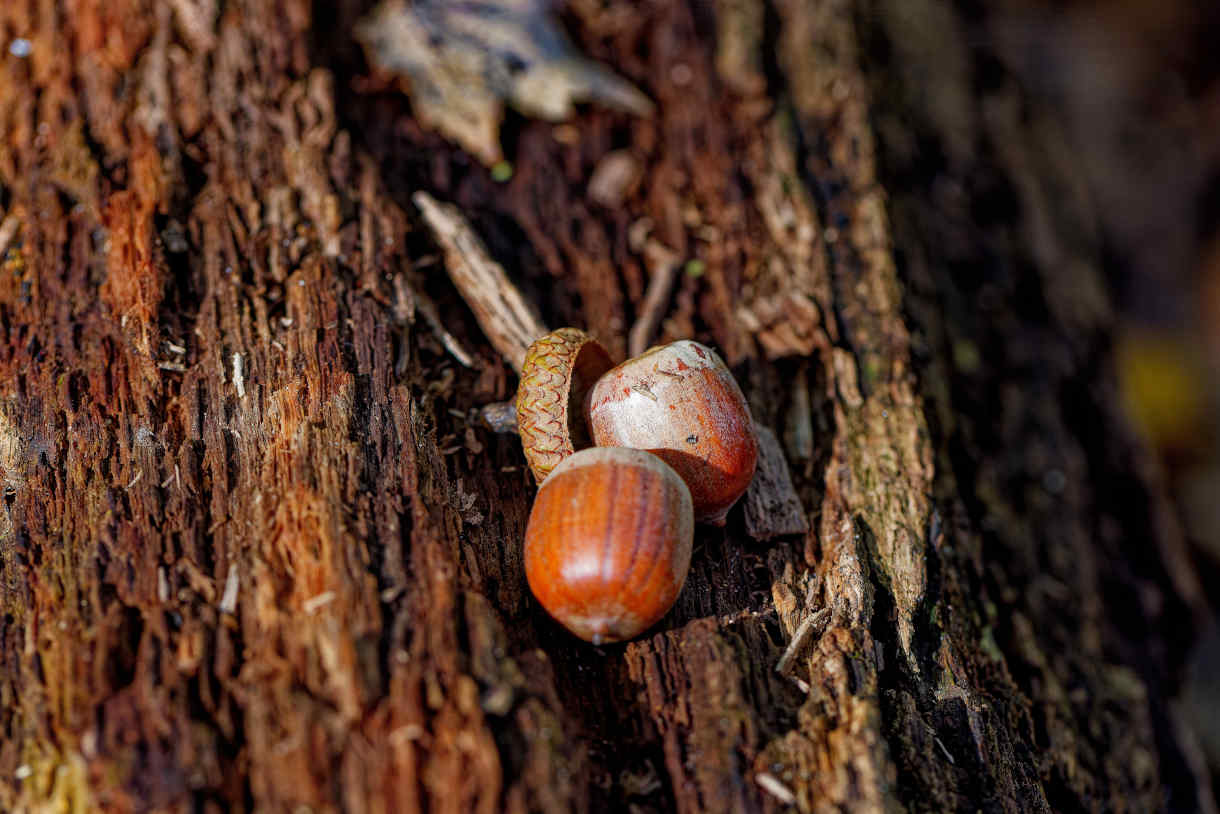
(228, 600)
(615, 176)
(500, 416)
(238, 377)
(771, 785)
(8, 230)
(316, 603)
(772, 507)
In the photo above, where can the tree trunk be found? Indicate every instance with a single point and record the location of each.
(257, 555)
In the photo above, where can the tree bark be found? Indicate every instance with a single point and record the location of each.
(257, 555)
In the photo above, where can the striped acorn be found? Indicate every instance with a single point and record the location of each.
(680, 402)
(558, 371)
(608, 543)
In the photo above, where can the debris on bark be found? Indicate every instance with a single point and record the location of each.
(663, 265)
(503, 314)
(772, 507)
(295, 582)
(463, 61)
(614, 178)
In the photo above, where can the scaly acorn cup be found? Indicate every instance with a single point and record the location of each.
(681, 403)
(608, 543)
(558, 371)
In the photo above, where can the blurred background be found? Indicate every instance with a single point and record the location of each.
(1137, 84)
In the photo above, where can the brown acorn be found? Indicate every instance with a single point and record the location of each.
(681, 403)
(559, 369)
(608, 543)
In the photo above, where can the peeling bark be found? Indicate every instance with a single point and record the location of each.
(258, 553)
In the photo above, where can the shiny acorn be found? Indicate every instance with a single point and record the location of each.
(608, 544)
(680, 402)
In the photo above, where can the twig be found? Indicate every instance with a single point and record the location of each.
(944, 750)
(316, 603)
(663, 265)
(812, 623)
(771, 784)
(427, 309)
(501, 311)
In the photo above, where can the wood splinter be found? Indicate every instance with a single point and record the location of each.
(503, 314)
(812, 624)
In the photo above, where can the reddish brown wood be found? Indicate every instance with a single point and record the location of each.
(257, 554)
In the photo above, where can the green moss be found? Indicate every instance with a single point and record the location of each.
(871, 370)
(989, 646)
(501, 171)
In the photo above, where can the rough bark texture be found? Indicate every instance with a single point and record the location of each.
(257, 555)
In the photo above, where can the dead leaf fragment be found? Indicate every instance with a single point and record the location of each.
(463, 61)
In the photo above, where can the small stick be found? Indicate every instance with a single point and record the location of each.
(664, 266)
(943, 749)
(426, 309)
(501, 311)
(809, 625)
(772, 785)
(315, 603)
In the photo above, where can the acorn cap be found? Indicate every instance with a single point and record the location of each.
(558, 372)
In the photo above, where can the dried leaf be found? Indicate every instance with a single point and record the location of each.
(464, 60)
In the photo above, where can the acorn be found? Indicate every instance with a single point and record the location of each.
(680, 402)
(608, 544)
(558, 372)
